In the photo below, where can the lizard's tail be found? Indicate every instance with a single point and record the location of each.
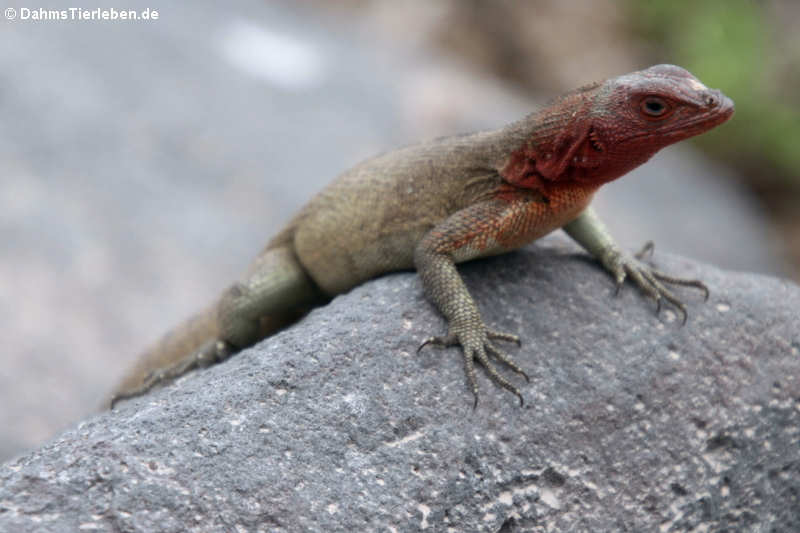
(274, 293)
(172, 348)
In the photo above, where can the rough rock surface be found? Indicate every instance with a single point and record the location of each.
(632, 422)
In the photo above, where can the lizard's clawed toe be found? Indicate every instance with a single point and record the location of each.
(439, 342)
(479, 346)
(501, 336)
(654, 282)
(648, 249)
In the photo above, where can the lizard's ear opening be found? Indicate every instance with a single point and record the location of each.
(595, 141)
(585, 149)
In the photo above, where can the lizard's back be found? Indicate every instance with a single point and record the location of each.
(369, 220)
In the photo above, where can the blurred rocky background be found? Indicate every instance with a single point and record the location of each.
(143, 164)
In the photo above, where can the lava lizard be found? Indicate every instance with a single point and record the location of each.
(435, 204)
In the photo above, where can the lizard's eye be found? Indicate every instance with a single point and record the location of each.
(654, 106)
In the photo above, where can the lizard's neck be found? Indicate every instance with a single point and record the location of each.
(538, 131)
(521, 150)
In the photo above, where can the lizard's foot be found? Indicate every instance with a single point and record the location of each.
(209, 354)
(477, 345)
(651, 281)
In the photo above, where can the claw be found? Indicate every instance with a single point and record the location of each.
(429, 340)
(438, 341)
(649, 247)
(682, 308)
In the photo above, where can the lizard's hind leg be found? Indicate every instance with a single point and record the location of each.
(274, 293)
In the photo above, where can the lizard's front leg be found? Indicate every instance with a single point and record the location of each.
(590, 232)
(471, 232)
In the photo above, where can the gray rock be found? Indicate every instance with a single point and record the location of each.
(631, 422)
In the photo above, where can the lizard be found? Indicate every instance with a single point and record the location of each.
(432, 205)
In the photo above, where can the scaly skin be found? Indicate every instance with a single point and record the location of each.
(432, 205)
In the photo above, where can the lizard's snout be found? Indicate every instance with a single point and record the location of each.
(714, 99)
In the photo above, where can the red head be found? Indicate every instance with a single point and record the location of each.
(598, 133)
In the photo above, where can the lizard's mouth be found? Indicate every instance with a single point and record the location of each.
(721, 112)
